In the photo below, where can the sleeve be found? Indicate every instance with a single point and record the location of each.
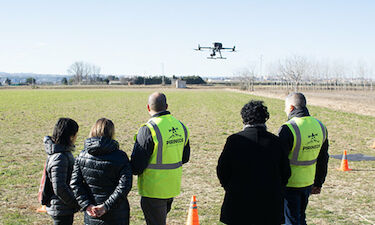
(284, 167)
(59, 175)
(286, 138)
(186, 153)
(223, 168)
(142, 150)
(123, 187)
(322, 164)
(79, 187)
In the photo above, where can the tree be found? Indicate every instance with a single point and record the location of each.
(294, 69)
(77, 70)
(30, 80)
(64, 81)
(7, 81)
(247, 76)
(81, 70)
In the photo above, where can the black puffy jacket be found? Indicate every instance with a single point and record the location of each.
(102, 174)
(59, 169)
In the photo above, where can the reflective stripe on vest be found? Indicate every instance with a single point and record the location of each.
(159, 156)
(294, 160)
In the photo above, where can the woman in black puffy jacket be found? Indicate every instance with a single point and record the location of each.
(59, 147)
(102, 177)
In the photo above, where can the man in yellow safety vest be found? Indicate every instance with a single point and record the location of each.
(305, 139)
(161, 147)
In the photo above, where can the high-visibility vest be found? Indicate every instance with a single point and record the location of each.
(162, 177)
(309, 135)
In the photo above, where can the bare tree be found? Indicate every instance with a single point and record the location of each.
(77, 70)
(247, 76)
(363, 72)
(84, 71)
(294, 69)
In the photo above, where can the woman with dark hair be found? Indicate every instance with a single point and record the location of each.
(59, 167)
(102, 177)
(253, 170)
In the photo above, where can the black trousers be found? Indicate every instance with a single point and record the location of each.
(63, 220)
(155, 210)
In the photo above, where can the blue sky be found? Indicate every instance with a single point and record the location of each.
(137, 37)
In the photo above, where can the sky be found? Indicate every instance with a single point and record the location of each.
(152, 37)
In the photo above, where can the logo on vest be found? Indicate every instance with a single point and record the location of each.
(175, 137)
(312, 144)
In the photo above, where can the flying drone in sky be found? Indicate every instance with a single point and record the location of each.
(217, 48)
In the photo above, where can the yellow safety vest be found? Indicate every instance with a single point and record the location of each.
(162, 177)
(309, 135)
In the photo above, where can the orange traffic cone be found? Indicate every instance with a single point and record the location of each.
(373, 145)
(193, 212)
(42, 209)
(344, 163)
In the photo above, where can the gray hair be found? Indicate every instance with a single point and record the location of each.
(296, 99)
(157, 102)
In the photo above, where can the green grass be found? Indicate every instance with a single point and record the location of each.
(26, 116)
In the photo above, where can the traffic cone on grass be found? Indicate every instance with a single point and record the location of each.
(41, 209)
(344, 163)
(193, 212)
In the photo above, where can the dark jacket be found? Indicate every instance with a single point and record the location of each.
(253, 170)
(144, 147)
(286, 136)
(102, 174)
(59, 169)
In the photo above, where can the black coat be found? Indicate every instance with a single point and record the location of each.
(253, 169)
(59, 169)
(102, 174)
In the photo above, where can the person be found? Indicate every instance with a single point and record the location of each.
(253, 169)
(59, 147)
(161, 147)
(306, 142)
(102, 177)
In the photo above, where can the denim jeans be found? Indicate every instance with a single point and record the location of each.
(295, 204)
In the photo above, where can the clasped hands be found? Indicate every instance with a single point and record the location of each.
(96, 211)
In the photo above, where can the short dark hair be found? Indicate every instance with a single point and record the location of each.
(254, 112)
(64, 129)
(157, 102)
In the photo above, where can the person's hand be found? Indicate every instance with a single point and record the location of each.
(90, 210)
(315, 190)
(99, 210)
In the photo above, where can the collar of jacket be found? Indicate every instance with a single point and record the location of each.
(299, 113)
(52, 148)
(161, 114)
(260, 126)
(100, 145)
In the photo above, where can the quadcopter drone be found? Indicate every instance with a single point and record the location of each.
(217, 48)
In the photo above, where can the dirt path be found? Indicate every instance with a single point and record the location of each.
(347, 101)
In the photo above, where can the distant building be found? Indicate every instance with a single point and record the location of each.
(115, 82)
(180, 84)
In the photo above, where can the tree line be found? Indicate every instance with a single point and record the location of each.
(295, 71)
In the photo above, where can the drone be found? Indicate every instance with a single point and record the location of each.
(217, 48)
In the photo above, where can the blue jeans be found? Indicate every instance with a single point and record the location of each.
(295, 204)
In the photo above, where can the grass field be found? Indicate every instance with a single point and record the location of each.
(26, 116)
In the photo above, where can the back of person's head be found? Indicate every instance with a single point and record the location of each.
(296, 99)
(103, 128)
(65, 128)
(254, 112)
(157, 102)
